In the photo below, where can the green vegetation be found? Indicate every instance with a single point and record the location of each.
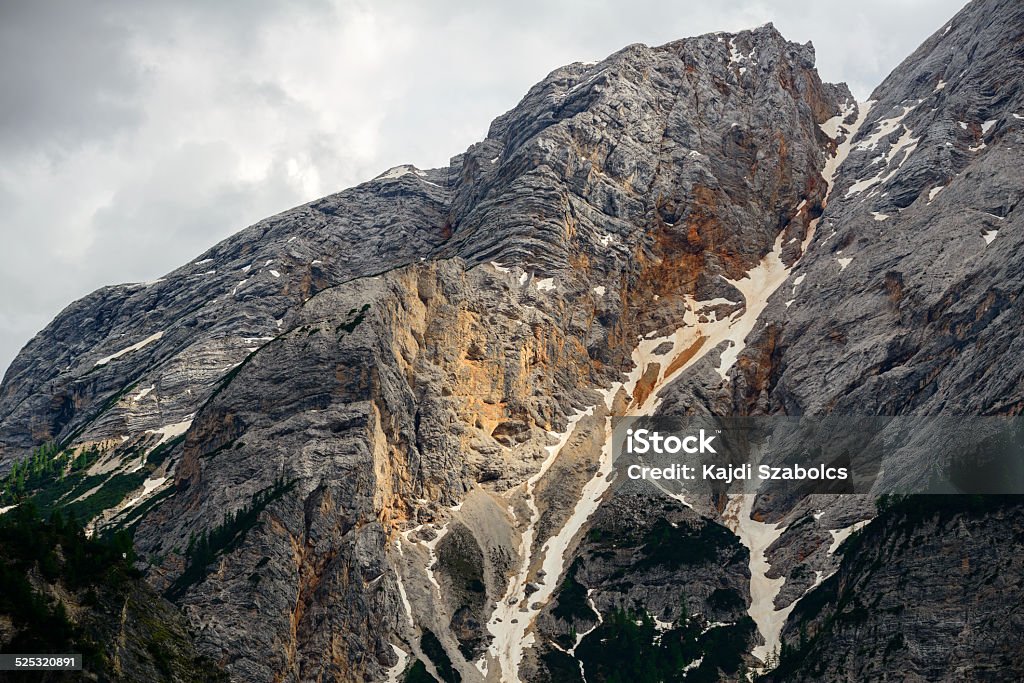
(673, 547)
(60, 552)
(110, 494)
(46, 465)
(204, 549)
(354, 319)
(561, 668)
(132, 518)
(158, 455)
(418, 674)
(628, 647)
(57, 480)
(572, 598)
(726, 600)
(433, 649)
(63, 592)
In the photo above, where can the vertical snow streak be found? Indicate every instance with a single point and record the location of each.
(395, 672)
(401, 588)
(509, 622)
(512, 620)
(581, 636)
(757, 537)
(512, 637)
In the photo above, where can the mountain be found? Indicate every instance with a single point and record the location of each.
(369, 438)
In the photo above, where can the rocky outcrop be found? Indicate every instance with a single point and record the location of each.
(922, 592)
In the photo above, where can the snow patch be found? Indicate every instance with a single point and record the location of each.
(885, 128)
(585, 82)
(546, 284)
(906, 143)
(134, 347)
(599, 290)
(833, 128)
(840, 535)
(987, 126)
(934, 191)
(758, 537)
(395, 672)
(398, 172)
(515, 613)
(275, 273)
(879, 216)
(756, 286)
(148, 487)
(168, 432)
(401, 589)
(509, 623)
(988, 236)
(843, 262)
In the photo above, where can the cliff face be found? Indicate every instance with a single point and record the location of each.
(376, 427)
(921, 591)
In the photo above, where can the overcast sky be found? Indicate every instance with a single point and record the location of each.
(135, 135)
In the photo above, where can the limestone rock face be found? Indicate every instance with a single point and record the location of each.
(383, 418)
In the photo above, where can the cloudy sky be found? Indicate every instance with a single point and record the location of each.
(135, 135)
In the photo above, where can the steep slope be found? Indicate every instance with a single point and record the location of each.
(921, 592)
(138, 357)
(63, 593)
(617, 200)
(379, 425)
(393, 397)
(916, 287)
(914, 259)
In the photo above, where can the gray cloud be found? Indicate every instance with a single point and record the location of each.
(136, 135)
(66, 77)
